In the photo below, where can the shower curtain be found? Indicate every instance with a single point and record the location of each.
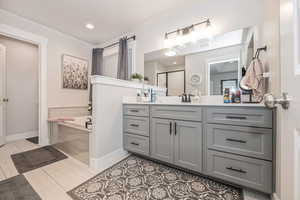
(123, 71)
(97, 66)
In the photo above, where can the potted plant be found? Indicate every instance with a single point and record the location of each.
(146, 80)
(136, 77)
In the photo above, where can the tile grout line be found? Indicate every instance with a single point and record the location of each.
(2, 171)
(52, 178)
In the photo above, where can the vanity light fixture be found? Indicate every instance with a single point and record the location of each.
(170, 53)
(189, 34)
(89, 26)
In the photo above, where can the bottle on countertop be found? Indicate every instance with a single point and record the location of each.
(226, 96)
(237, 98)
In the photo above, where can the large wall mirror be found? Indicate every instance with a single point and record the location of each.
(217, 61)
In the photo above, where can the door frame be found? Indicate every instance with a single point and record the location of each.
(167, 78)
(42, 44)
(3, 127)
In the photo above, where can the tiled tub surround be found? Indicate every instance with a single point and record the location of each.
(232, 143)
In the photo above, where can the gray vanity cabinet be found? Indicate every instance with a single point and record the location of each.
(177, 142)
(188, 145)
(136, 129)
(234, 144)
(174, 140)
(161, 143)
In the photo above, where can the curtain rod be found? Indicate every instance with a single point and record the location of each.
(116, 43)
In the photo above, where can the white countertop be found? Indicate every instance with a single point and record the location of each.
(204, 101)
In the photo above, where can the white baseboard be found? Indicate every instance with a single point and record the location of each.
(275, 196)
(21, 136)
(100, 164)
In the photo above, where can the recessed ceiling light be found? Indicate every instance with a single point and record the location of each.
(89, 26)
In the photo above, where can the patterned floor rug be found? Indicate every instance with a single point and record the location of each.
(138, 179)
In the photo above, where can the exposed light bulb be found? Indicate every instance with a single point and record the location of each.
(170, 53)
(89, 26)
(209, 31)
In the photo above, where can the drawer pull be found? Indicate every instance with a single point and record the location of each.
(134, 111)
(236, 170)
(236, 117)
(135, 144)
(134, 125)
(234, 140)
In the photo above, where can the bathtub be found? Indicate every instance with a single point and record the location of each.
(77, 123)
(72, 137)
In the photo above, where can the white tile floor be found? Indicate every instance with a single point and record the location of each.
(50, 182)
(53, 181)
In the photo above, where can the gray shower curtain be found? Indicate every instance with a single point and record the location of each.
(123, 71)
(97, 66)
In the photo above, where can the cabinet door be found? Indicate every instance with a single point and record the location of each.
(161, 139)
(188, 145)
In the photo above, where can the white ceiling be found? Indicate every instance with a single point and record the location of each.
(111, 18)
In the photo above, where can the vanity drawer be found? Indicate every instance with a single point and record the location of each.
(257, 117)
(248, 172)
(188, 113)
(136, 110)
(247, 141)
(136, 125)
(136, 144)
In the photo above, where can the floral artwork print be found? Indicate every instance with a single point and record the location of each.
(74, 73)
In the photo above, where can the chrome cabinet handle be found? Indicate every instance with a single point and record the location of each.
(175, 128)
(234, 140)
(236, 117)
(236, 170)
(135, 144)
(170, 128)
(134, 125)
(134, 111)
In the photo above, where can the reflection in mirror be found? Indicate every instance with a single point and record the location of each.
(217, 61)
(223, 74)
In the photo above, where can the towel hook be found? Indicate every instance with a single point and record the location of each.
(265, 48)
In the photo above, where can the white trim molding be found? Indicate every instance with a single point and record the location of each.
(42, 43)
(20, 136)
(104, 80)
(100, 164)
(275, 196)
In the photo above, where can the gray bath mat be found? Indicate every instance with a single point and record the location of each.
(33, 159)
(138, 179)
(17, 188)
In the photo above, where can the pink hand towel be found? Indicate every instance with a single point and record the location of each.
(254, 78)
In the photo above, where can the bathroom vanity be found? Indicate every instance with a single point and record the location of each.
(233, 143)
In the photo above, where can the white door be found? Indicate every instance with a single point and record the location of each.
(2, 94)
(289, 121)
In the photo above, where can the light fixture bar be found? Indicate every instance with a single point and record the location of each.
(207, 21)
